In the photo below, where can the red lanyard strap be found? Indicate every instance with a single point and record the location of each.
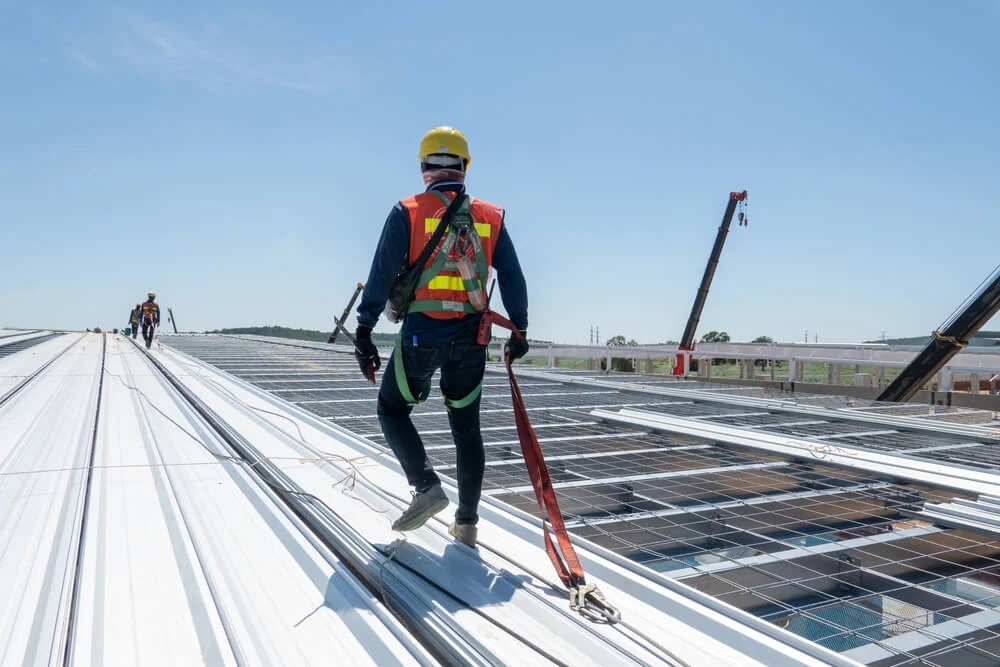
(585, 598)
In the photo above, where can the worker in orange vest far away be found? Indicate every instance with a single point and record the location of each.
(440, 302)
(150, 318)
(133, 319)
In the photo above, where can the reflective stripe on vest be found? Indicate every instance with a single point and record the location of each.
(441, 292)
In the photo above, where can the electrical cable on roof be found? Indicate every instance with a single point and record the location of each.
(348, 480)
(170, 419)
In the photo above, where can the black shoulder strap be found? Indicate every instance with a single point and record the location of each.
(453, 207)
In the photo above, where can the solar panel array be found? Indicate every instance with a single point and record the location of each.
(7, 349)
(831, 554)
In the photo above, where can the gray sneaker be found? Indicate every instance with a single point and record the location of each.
(466, 533)
(422, 507)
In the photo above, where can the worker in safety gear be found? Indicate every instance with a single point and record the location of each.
(133, 319)
(150, 318)
(439, 330)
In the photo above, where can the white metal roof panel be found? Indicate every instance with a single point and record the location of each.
(185, 558)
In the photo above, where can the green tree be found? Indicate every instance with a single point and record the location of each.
(766, 340)
(715, 337)
(623, 364)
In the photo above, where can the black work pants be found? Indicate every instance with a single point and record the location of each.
(147, 333)
(462, 362)
(135, 329)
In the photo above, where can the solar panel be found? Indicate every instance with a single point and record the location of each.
(831, 554)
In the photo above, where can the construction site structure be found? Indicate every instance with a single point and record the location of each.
(683, 364)
(947, 341)
(338, 323)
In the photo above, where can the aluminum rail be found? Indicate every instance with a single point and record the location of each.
(788, 406)
(970, 360)
(675, 623)
(898, 466)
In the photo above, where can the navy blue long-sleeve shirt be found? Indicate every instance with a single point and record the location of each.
(392, 255)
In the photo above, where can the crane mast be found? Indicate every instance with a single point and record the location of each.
(687, 340)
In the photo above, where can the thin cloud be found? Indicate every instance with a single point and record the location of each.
(238, 52)
(82, 59)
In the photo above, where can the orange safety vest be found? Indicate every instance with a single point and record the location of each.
(150, 311)
(443, 294)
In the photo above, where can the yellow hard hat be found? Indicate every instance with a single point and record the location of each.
(152, 295)
(445, 140)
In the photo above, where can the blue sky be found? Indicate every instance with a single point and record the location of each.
(240, 159)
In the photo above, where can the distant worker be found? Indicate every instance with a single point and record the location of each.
(150, 319)
(440, 326)
(133, 319)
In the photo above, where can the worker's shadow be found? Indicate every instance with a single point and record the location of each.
(463, 576)
(342, 599)
(457, 578)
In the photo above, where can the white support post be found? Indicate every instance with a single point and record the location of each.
(772, 363)
(608, 367)
(687, 364)
(552, 362)
(974, 383)
(944, 380)
(793, 370)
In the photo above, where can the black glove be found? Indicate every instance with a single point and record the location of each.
(365, 351)
(517, 346)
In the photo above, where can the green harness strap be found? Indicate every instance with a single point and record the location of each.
(441, 306)
(440, 260)
(400, 372)
(404, 384)
(462, 402)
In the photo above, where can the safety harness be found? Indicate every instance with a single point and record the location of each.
(460, 235)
